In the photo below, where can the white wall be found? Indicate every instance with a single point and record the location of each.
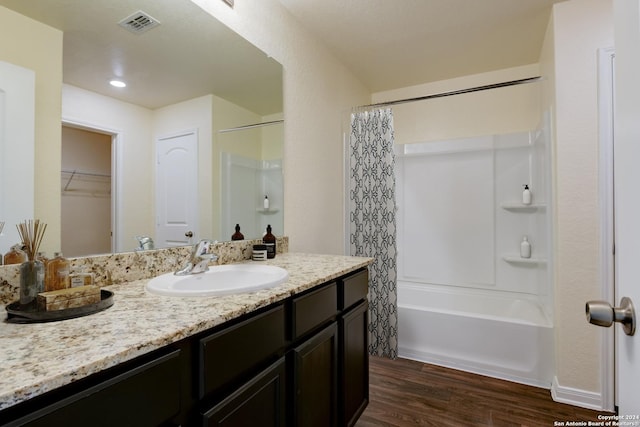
(579, 28)
(505, 110)
(38, 47)
(318, 92)
(133, 124)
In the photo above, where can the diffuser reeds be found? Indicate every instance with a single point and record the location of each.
(31, 232)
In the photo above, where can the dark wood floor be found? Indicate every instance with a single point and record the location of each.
(408, 393)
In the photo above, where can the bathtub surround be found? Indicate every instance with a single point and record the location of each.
(113, 269)
(372, 221)
(463, 279)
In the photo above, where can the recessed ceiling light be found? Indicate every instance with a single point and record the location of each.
(117, 83)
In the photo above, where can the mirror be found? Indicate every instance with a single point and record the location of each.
(189, 73)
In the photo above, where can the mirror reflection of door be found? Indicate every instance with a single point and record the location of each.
(86, 192)
(176, 190)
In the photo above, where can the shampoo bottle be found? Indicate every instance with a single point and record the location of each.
(525, 248)
(526, 195)
(266, 202)
(270, 241)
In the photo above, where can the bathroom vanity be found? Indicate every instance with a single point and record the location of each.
(295, 355)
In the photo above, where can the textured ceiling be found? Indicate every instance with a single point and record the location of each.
(399, 43)
(387, 44)
(189, 55)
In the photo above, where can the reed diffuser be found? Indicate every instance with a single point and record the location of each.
(31, 271)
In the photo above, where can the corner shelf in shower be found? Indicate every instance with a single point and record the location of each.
(517, 259)
(517, 206)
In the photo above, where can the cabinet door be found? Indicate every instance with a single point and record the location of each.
(354, 366)
(315, 380)
(260, 402)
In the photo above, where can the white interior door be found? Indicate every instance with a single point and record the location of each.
(176, 189)
(627, 199)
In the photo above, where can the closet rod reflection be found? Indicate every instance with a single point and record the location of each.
(455, 92)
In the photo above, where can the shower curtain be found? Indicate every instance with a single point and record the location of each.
(373, 223)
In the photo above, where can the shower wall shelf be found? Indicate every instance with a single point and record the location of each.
(517, 206)
(517, 259)
(269, 211)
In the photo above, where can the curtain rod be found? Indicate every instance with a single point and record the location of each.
(256, 125)
(456, 92)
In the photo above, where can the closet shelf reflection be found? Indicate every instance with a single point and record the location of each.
(86, 183)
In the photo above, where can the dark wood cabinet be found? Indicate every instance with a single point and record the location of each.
(315, 374)
(354, 363)
(260, 402)
(236, 353)
(301, 362)
(146, 395)
(313, 309)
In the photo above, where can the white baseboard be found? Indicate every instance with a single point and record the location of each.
(576, 397)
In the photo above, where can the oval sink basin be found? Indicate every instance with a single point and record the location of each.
(219, 280)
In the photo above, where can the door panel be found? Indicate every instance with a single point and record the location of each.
(176, 189)
(627, 202)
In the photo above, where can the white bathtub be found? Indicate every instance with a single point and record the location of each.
(494, 335)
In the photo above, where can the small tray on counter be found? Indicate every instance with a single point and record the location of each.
(19, 314)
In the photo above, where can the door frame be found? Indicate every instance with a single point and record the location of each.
(606, 58)
(116, 157)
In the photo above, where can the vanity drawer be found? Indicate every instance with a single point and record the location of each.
(353, 289)
(313, 309)
(227, 355)
(147, 395)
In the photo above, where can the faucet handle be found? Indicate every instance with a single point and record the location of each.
(202, 250)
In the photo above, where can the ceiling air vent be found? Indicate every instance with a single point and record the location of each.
(139, 22)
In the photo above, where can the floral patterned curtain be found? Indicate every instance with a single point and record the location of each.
(373, 222)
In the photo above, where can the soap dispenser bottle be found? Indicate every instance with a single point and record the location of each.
(15, 255)
(270, 241)
(525, 248)
(57, 273)
(526, 195)
(266, 203)
(237, 235)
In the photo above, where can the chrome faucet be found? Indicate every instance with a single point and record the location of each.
(199, 260)
(145, 243)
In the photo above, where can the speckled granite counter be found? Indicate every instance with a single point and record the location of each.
(37, 358)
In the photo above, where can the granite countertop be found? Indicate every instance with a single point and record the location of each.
(36, 358)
